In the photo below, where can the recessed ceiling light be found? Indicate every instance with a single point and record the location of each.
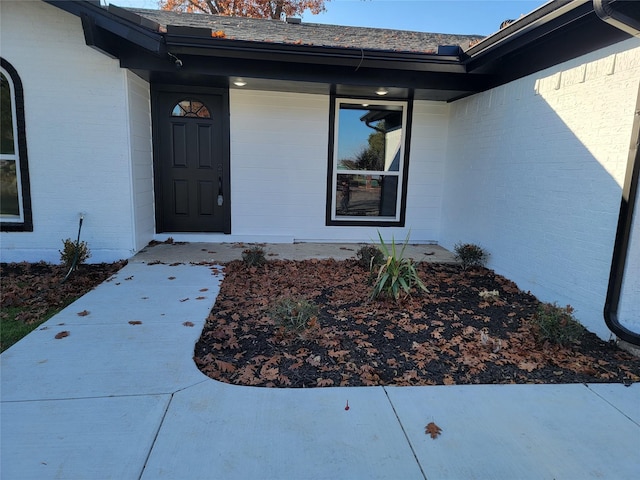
(239, 82)
(365, 104)
(382, 91)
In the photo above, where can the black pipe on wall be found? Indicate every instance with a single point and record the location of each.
(608, 11)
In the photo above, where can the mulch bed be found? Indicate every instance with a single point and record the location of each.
(451, 335)
(38, 288)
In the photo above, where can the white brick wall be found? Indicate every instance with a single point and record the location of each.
(279, 169)
(77, 136)
(139, 103)
(534, 174)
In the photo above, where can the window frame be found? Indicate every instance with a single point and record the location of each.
(25, 221)
(332, 219)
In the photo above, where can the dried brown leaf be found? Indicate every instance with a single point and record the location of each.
(433, 430)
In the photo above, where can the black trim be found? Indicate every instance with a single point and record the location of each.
(27, 224)
(330, 163)
(568, 30)
(623, 234)
(626, 17)
(619, 15)
(407, 156)
(554, 33)
(107, 27)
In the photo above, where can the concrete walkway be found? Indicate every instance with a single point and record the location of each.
(122, 400)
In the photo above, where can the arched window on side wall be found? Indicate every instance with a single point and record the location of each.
(15, 195)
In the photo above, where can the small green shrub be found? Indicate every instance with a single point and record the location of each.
(69, 251)
(254, 256)
(370, 257)
(556, 324)
(294, 313)
(396, 274)
(470, 255)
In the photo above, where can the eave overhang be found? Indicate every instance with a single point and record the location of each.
(552, 34)
(556, 32)
(104, 28)
(142, 48)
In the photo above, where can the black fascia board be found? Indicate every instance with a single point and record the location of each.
(555, 48)
(549, 38)
(547, 18)
(100, 19)
(310, 54)
(194, 65)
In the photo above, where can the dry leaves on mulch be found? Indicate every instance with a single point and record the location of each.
(37, 288)
(451, 335)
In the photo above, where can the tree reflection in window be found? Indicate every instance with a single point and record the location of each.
(190, 109)
(15, 199)
(367, 165)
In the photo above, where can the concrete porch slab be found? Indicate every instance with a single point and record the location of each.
(226, 252)
(158, 293)
(519, 431)
(94, 438)
(619, 397)
(219, 431)
(101, 360)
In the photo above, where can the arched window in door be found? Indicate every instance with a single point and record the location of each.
(190, 109)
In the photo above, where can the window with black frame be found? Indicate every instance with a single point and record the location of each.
(368, 162)
(15, 205)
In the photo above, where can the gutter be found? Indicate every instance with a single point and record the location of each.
(605, 9)
(94, 18)
(204, 45)
(548, 17)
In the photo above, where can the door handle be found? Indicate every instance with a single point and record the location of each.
(220, 192)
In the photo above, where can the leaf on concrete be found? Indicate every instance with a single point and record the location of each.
(62, 334)
(135, 322)
(83, 313)
(433, 430)
(188, 324)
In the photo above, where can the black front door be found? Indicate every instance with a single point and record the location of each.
(191, 160)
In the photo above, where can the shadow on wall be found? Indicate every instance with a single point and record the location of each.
(540, 184)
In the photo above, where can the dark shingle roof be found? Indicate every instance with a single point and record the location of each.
(276, 31)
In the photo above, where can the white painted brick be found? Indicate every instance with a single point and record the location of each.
(279, 167)
(76, 116)
(545, 203)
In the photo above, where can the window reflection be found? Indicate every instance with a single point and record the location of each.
(9, 202)
(369, 139)
(368, 160)
(7, 144)
(366, 195)
(9, 194)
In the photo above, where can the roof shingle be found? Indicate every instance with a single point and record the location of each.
(276, 31)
